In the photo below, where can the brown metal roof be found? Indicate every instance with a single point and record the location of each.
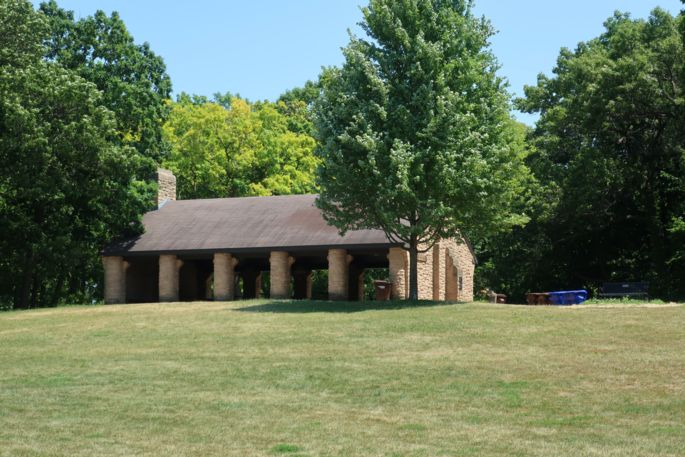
(241, 225)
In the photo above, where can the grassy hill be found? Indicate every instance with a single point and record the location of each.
(260, 378)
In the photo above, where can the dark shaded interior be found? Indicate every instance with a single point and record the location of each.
(195, 279)
(252, 275)
(142, 280)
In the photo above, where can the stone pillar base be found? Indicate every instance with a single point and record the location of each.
(115, 279)
(398, 260)
(224, 276)
(169, 267)
(338, 274)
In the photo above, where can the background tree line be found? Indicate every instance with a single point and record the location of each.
(594, 191)
(75, 157)
(85, 120)
(608, 157)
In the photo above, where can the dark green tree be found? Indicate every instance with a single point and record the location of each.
(413, 128)
(132, 78)
(610, 138)
(66, 185)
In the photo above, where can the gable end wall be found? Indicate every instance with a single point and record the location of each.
(440, 270)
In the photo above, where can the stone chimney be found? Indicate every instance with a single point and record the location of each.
(166, 190)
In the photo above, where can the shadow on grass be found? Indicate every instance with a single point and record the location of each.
(320, 306)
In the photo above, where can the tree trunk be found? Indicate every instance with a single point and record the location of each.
(413, 269)
(57, 290)
(25, 294)
(36, 289)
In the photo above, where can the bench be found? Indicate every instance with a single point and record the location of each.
(624, 289)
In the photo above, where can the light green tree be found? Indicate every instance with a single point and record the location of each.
(230, 148)
(413, 128)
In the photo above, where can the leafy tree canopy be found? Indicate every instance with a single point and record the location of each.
(230, 147)
(131, 76)
(609, 155)
(66, 185)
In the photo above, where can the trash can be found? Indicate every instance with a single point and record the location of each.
(383, 290)
(568, 297)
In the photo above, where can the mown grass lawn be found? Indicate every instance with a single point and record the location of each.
(260, 378)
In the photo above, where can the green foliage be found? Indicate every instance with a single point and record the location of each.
(297, 104)
(415, 128)
(370, 275)
(231, 148)
(20, 33)
(65, 184)
(608, 154)
(133, 79)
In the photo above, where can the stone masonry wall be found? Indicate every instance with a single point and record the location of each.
(398, 260)
(445, 272)
(224, 276)
(463, 266)
(166, 186)
(169, 266)
(338, 274)
(115, 279)
(451, 280)
(439, 264)
(280, 274)
(425, 274)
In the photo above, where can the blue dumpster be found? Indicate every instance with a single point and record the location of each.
(568, 297)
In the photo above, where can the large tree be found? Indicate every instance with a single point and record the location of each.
(132, 78)
(414, 128)
(297, 104)
(66, 184)
(229, 147)
(611, 139)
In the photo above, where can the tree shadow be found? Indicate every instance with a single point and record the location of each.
(320, 306)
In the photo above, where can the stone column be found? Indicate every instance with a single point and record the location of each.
(398, 260)
(115, 279)
(338, 274)
(169, 267)
(224, 276)
(302, 284)
(438, 272)
(280, 274)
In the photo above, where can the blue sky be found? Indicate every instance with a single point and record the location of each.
(260, 48)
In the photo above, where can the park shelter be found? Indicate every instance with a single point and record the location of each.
(217, 249)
